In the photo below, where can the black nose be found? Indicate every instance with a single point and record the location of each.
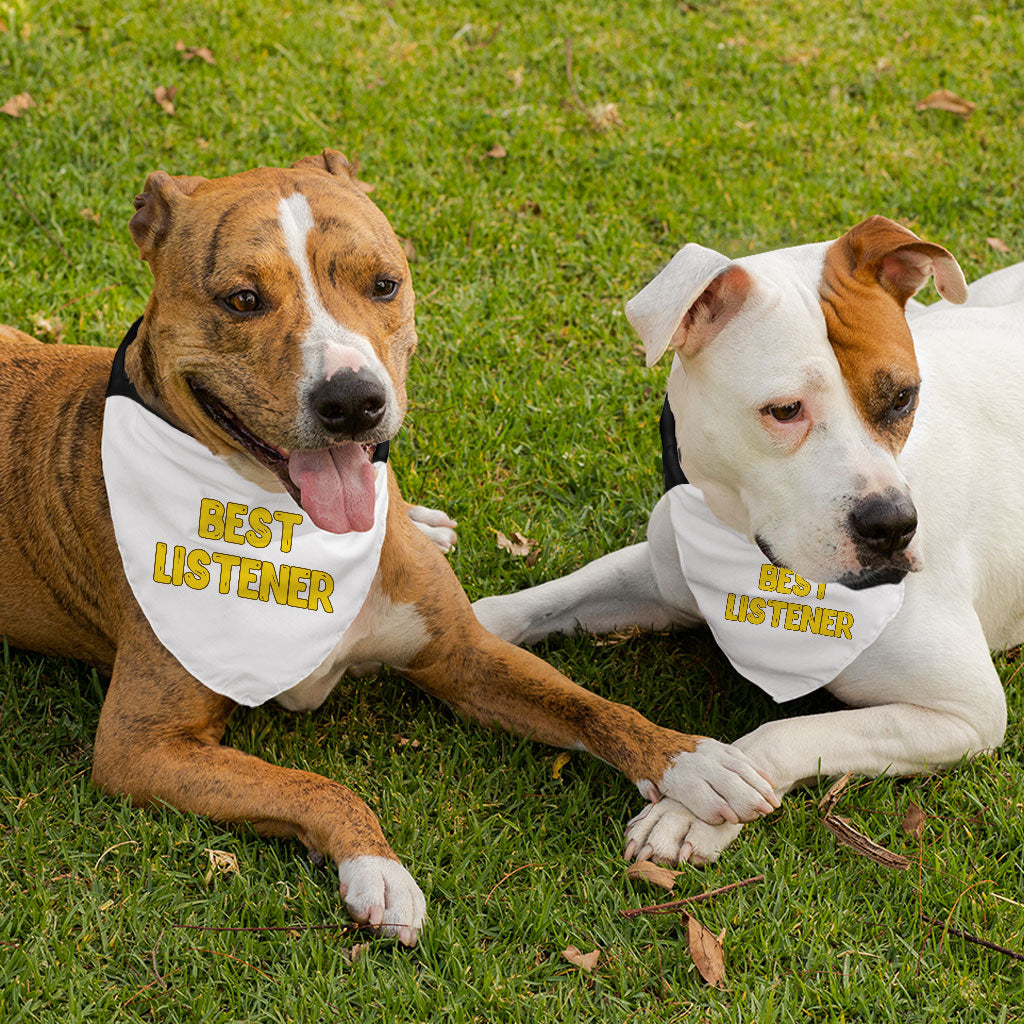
(349, 403)
(884, 523)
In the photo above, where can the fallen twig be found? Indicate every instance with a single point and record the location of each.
(851, 837)
(522, 867)
(351, 927)
(89, 295)
(831, 798)
(156, 970)
(968, 937)
(859, 843)
(239, 960)
(568, 74)
(675, 905)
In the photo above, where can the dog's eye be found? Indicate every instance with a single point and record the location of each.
(243, 301)
(904, 400)
(785, 413)
(384, 288)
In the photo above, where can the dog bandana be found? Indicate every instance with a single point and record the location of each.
(786, 634)
(237, 582)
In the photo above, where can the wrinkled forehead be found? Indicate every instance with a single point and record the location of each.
(253, 216)
(813, 296)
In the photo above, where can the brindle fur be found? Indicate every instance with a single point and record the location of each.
(63, 591)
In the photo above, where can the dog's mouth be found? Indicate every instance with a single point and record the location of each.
(877, 577)
(335, 486)
(861, 580)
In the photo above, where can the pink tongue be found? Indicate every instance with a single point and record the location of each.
(337, 486)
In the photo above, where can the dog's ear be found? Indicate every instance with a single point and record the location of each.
(154, 207)
(689, 302)
(330, 160)
(879, 249)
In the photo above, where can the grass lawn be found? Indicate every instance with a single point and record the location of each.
(737, 123)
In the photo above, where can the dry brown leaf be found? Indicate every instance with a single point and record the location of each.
(497, 152)
(351, 954)
(202, 143)
(913, 823)
(515, 77)
(943, 99)
(49, 328)
(90, 214)
(409, 249)
(831, 798)
(3, 27)
(706, 951)
(221, 863)
(998, 244)
(588, 961)
(648, 871)
(559, 763)
(604, 116)
(17, 105)
(517, 545)
(531, 207)
(803, 58)
(188, 52)
(164, 95)
(860, 843)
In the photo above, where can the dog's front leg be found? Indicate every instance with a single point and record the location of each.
(617, 591)
(158, 741)
(493, 682)
(490, 680)
(923, 705)
(641, 585)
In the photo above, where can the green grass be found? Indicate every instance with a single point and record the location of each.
(746, 125)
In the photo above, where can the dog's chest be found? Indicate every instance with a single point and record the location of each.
(383, 632)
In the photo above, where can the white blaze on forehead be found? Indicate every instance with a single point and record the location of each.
(328, 345)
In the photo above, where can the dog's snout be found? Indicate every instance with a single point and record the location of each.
(884, 523)
(349, 403)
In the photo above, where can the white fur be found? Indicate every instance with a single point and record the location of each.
(755, 488)
(383, 632)
(436, 525)
(926, 693)
(328, 344)
(378, 891)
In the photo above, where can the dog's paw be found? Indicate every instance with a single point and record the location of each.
(717, 782)
(379, 892)
(435, 524)
(669, 833)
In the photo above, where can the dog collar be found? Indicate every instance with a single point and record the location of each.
(236, 581)
(787, 635)
(671, 467)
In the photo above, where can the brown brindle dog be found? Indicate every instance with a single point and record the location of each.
(278, 335)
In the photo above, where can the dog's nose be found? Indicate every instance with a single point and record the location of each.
(884, 524)
(349, 403)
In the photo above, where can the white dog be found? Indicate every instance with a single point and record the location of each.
(795, 383)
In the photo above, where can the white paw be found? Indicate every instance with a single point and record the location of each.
(435, 524)
(670, 833)
(378, 891)
(717, 782)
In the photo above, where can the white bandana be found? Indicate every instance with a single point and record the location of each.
(237, 582)
(784, 633)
